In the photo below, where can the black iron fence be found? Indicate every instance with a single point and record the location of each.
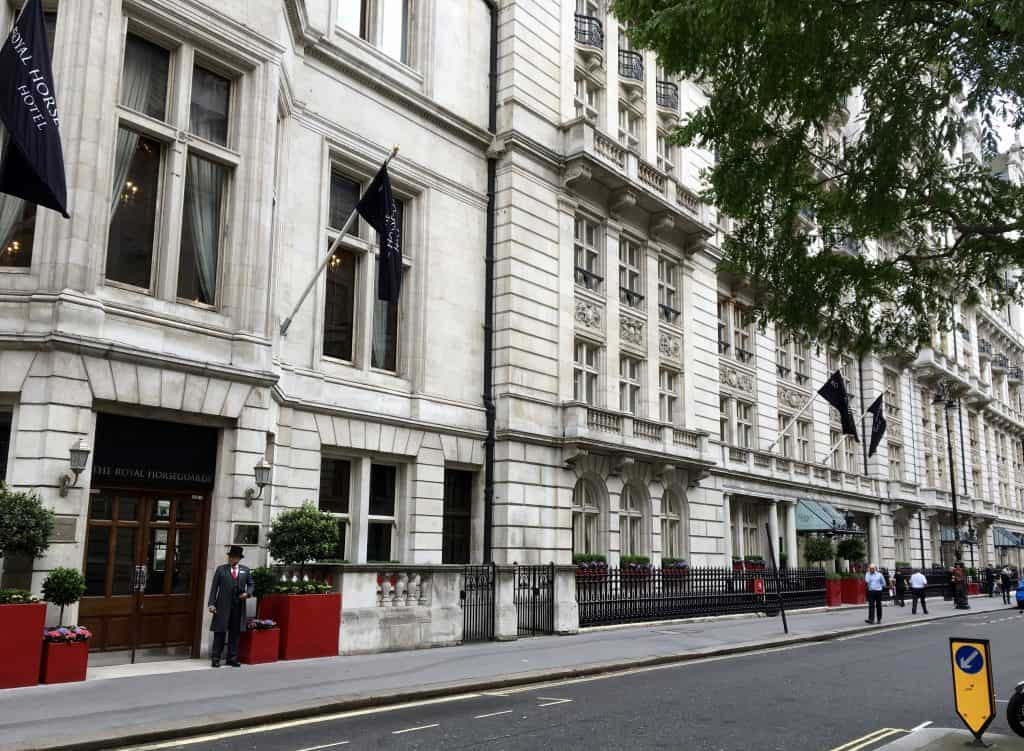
(534, 596)
(477, 599)
(607, 596)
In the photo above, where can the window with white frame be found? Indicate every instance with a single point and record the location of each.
(588, 8)
(630, 373)
(388, 25)
(588, 98)
(631, 277)
(742, 334)
(801, 361)
(631, 127)
(744, 424)
(346, 303)
(724, 338)
(977, 483)
(850, 463)
(585, 372)
(837, 455)
(666, 153)
(725, 419)
(892, 394)
(899, 533)
(145, 192)
(18, 216)
(752, 530)
(795, 440)
(668, 395)
(673, 527)
(895, 461)
(631, 523)
(847, 366)
(381, 522)
(783, 354)
(668, 290)
(586, 516)
(335, 488)
(587, 252)
(802, 434)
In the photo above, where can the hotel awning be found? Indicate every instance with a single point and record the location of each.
(1004, 538)
(814, 516)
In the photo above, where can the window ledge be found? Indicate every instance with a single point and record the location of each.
(353, 46)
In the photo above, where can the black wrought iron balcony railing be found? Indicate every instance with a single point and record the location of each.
(744, 355)
(984, 347)
(630, 297)
(667, 95)
(668, 313)
(589, 32)
(588, 279)
(1000, 362)
(1015, 373)
(631, 65)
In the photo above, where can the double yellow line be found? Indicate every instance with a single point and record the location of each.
(858, 744)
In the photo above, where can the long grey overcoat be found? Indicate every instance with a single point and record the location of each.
(223, 590)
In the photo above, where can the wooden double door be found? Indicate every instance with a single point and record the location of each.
(144, 563)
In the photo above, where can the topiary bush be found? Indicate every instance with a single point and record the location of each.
(25, 525)
(64, 586)
(819, 550)
(263, 582)
(852, 549)
(303, 535)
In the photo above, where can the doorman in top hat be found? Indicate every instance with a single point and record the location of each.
(232, 586)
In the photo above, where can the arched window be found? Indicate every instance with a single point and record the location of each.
(674, 536)
(631, 523)
(586, 513)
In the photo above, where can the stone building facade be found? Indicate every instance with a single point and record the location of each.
(214, 150)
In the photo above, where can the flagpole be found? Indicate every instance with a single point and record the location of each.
(842, 437)
(790, 424)
(330, 253)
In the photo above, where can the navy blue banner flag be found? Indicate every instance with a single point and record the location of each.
(33, 165)
(835, 394)
(878, 424)
(378, 208)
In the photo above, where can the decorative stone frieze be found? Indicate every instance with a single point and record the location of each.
(588, 314)
(670, 346)
(736, 379)
(791, 398)
(632, 331)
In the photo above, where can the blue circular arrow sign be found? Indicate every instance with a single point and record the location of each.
(969, 659)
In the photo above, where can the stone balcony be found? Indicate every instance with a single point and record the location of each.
(932, 365)
(607, 432)
(633, 185)
(783, 469)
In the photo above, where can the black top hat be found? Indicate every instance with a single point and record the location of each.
(236, 552)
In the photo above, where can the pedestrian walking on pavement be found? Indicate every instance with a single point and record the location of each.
(875, 583)
(918, 582)
(959, 580)
(232, 586)
(901, 588)
(1004, 584)
(990, 580)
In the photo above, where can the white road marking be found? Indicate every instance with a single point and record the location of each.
(326, 745)
(492, 714)
(1002, 701)
(551, 701)
(922, 726)
(493, 693)
(413, 730)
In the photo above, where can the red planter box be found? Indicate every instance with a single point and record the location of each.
(833, 592)
(309, 624)
(973, 588)
(64, 662)
(854, 592)
(21, 648)
(259, 646)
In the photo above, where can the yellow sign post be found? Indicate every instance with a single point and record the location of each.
(973, 689)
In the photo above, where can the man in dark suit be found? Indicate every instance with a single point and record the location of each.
(232, 586)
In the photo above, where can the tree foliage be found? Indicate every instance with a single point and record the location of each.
(25, 525)
(852, 549)
(819, 549)
(916, 88)
(64, 586)
(302, 535)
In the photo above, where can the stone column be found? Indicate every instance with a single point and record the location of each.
(773, 528)
(727, 527)
(359, 508)
(741, 544)
(875, 551)
(791, 543)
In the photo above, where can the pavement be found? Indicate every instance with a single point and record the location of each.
(146, 703)
(946, 739)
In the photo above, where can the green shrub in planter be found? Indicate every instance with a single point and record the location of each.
(754, 559)
(832, 576)
(819, 549)
(851, 575)
(17, 597)
(263, 580)
(634, 560)
(303, 535)
(63, 587)
(25, 525)
(902, 564)
(579, 558)
(852, 549)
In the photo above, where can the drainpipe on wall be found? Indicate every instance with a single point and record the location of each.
(489, 406)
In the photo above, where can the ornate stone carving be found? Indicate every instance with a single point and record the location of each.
(791, 398)
(574, 173)
(621, 200)
(588, 314)
(736, 380)
(670, 346)
(662, 225)
(632, 331)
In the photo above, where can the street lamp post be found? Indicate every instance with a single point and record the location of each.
(944, 394)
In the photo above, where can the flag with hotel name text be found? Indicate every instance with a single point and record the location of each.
(878, 424)
(33, 161)
(378, 208)
(835, 394)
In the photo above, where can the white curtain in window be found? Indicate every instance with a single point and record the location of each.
(203, 195)
(136, 83)
(11, 207)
